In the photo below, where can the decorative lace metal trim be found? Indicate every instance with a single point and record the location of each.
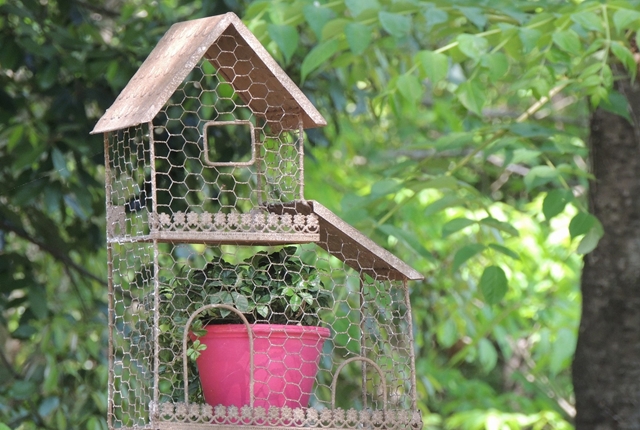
(235, 222)
(299, 417)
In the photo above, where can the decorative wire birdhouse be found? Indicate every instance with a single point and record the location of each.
(209, 233)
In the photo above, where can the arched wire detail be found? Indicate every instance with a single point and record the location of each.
(184, 347)
(351, 360)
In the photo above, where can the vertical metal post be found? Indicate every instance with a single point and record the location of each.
(156, 282)
(412, 355)
(111, 313)
(260, 180)
(301, 140)
(363, 347)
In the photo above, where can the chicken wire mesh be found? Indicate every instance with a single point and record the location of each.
(219, 268)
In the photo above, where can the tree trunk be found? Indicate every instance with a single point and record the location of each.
(606, 367)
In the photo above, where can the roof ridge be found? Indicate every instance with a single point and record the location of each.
(179, 51)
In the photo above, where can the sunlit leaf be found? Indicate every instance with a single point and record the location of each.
(318, 56)
(590, 240)
(539, 175)
(487, 354)
(504, 250)
(581, 223)
(555, 202)
(562, 349)
(409, 239)
(493, 284)
(465, 253)
(456, 225)
(447, 333)
(500, 225)
(447, 201)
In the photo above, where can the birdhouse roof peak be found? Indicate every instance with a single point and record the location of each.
(243, 64)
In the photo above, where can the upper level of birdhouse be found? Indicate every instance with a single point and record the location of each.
(207, 137)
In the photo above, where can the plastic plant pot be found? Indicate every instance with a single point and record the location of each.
(285, 361)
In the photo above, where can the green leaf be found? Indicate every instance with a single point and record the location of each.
(356, 7)
(588, 20)
(409, 239)
(447, 201)
(294, 302)
(409, 87)
(385, 187)
(60, 163)
(504, 250)
(581, 223)
(493, 284)
(465, 253)
(529, 38)
(527, 129)
(568, 41)
(500, 225)
(539, 175)
(286, 37)
(455, 225)
(434, 16)
(395, 24)
(498, 65)
(472, 46)
(562, 350)
(432, 65)
(4, 427)
(318, 56)
(555, 202)
(38, 301)
(475, 15)
(625, 18)
(618, 104)
(447, 333)
(487, 355)
(472, 95)
(625, 56)
(48, 405)
(358, 36)
(440, 182)
(590, 240)
(241, 302)
(317, 16)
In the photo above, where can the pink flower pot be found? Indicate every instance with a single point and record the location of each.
(285, 360)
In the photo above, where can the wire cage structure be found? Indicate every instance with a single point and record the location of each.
(233, 301)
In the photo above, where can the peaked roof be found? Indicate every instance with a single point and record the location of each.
(346, 243)
(180, 50)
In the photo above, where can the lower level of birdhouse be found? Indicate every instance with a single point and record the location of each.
(325, 343)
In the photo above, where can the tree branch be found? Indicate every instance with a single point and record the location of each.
(55, 253)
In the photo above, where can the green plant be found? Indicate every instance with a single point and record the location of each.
(267, 288)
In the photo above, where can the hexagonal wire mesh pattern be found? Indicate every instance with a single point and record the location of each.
(221, 271)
